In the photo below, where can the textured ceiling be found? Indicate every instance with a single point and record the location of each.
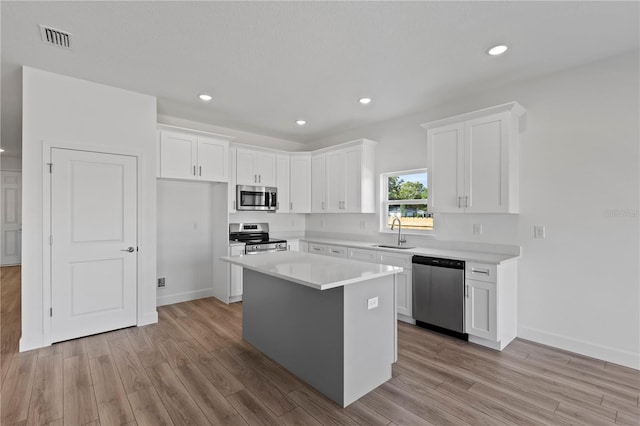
(267, 64)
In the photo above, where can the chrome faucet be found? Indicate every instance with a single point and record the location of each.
(400, 239)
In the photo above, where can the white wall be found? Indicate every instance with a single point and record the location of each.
(185, 246)
(281, 225)
(60, 109)
(579, 287)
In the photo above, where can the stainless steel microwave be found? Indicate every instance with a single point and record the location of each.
(261, 198)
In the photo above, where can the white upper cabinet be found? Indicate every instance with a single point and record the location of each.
(283, 183)
(473, 161)
(318, 173)
(254, 167)
(300, 183)
(193, 157)
(343, 179)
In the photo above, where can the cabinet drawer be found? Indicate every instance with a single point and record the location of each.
(337, 251)
(363, 255)
(318, 248)
(393, 259)
(481, 272)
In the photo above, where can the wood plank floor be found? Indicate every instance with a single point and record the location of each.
(193, 368)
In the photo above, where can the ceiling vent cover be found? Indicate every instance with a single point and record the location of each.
(55, 37)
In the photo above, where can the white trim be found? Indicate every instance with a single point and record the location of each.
(184, 296)
(384, 202)
(47, 146)
(512, 107)
(607, 353)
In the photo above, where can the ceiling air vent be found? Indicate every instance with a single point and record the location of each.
(55, 37)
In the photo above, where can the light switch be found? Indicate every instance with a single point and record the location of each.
(538, 231)
(477, 228)
(372, 303)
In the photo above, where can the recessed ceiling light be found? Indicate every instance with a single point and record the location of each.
(364, 101)
(301, 122)
(498, 50)
(205, 97)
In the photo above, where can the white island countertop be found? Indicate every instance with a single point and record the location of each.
(312, 270)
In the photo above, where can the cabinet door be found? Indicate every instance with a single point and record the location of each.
(353, 180)
(480, 309)
(335, 180)
(283, 183)
(293, 245)
(235, 285)
(265, 167)
(445, 157)
(245, 172)
(318, 169)
(404, 293)
(213, 159)
(300, 185)
(486, 164)
(363, 255)
(178, 153)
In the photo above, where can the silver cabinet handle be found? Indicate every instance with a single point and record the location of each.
(323, 205)
(466, 291)
(129, 249)
(194, 170)
(234, 205)
(255, 178)
(259, 178)
(480, 271)
(291, 205)
(466, 201)
(200, 171)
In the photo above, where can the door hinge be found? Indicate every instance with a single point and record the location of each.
(50, 240)
(50, 167)
(50, 312)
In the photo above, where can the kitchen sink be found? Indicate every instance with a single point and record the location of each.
(392, 246)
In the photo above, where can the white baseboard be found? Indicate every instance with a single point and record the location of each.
(170, 299)
(406, 319)
(594, 350)
(27, 345)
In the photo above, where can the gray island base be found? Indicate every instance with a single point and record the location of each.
(334, 339)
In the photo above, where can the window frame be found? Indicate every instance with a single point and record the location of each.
(385, 202)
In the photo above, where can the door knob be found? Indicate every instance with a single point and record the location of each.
(129, 249)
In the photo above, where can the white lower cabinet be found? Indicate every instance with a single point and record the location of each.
(404, 282)
(235, 274)
(293, 245)
(491, 300)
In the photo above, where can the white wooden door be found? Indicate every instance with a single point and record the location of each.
(213, 159)
(245, 168)
(486, 162)
(11, 237)
(282, 183)
(178, 153)
(94, 243)
(445, 154)
(480, 309)
(300, 184)
(265, 167)
(335, 189)
(353, 181)
(318, 172)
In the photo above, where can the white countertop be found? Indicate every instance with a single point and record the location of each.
(466, 255)
(312, 270)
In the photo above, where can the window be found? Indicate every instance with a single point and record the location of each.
(404, 196)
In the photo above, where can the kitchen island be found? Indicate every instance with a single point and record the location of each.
(330, 321)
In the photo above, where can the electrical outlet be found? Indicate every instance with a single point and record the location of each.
(477, 228)
(372, 303)
(161, 282)
(538, 231)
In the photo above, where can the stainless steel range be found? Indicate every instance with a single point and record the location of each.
(256, 238)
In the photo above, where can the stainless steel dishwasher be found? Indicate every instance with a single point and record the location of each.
(438, 295)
